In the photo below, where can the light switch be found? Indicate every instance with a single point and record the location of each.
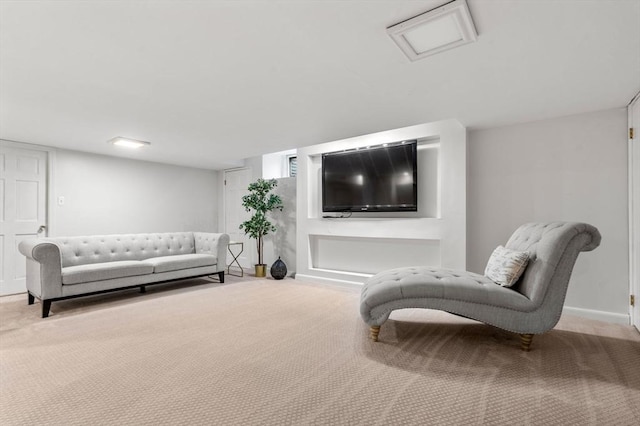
(61, 200)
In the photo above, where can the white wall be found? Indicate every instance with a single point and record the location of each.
(276, 164)
(283, 242)
(109, 195)
(572, 169)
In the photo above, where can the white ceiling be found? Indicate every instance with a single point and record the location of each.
(209, 83)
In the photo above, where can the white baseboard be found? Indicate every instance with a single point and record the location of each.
(329, 281)
(598, 315)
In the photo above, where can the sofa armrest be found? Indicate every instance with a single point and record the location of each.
(215, 244)
(44, 268)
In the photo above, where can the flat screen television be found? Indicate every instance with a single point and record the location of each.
(374, 179)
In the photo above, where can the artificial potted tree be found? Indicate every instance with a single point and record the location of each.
(260, 200)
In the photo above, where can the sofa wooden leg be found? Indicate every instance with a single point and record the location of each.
(143, 289)
(221, 276)
(46, 306)
(525, 341)
(30, 298)
(374, 330)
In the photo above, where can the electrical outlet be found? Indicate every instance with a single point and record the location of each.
(61, 200)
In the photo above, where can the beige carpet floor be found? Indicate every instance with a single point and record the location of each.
(265, 352)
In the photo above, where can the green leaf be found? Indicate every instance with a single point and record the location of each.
(260, 200)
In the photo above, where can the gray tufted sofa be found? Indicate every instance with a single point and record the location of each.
(61, 268)
(532, 306)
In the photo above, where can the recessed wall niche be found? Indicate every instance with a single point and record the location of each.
(369, 255)
(344, 250)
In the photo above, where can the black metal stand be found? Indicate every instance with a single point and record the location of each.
(235, 258)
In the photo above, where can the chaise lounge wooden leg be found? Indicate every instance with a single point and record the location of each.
(525, 341)
(374, 330)
(30, 299)
(221, 276)
(143, 289)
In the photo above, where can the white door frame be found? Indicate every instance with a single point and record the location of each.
(51, 161)
(247, 247)
(634, 209)
(45, 213)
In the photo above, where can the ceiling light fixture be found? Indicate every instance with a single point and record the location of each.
(435, 31)
(128, 143)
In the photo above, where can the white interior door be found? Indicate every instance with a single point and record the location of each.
(236, 183)
(23, 191)
(634, 208)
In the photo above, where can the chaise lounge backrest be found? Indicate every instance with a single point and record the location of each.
(553, 249)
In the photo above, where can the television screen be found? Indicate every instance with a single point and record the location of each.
(377, 179)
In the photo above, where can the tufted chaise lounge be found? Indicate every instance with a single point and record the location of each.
(532, 306)
(62, 268)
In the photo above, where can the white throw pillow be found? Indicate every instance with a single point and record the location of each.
(505, 266)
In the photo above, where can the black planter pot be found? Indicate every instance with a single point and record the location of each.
(278, 269)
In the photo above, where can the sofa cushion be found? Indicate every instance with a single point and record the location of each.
(104, 271)
(112, 248)
(181, 261)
